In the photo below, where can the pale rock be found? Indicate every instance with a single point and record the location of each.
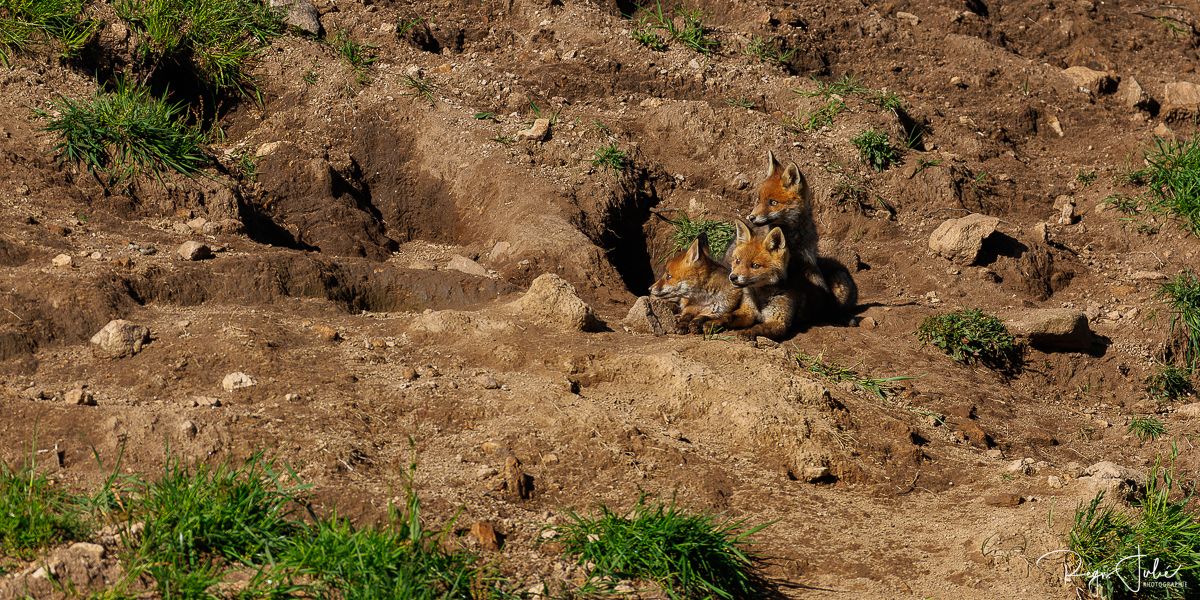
(120, 338)
(236, 381)
(959, 240)
(536, 132)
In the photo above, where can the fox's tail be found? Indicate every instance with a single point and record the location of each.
(841, 285)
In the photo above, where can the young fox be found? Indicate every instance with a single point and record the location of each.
(785, 201)
(760, 265)
(705, 293)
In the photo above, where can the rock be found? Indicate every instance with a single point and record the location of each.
(206, 401)
(1055, 126)
(1019, 467)
(488, 382)
(292, 397)
(814, 474)
(466, 265)
(1055, 482)
(197, 225)
(80, 396)
(1110, 470)
(1132, 95)
(1003, 500)
(1192, 411)
(407, 373)
(1055, 330)
(63, 261)
(120, 338)
(499, 251)
(188, 429)
(650, 316)
(550, 459)
(327, 333)
(959, 240)
(193, 250)
(536, 132)
(552, 301)
(1181, 101)
(300, 14)
(909, 18)
(868, 323)
(1065, 207)
(236, 381)
(485, 472)
(1091, 81)
(489, 447)
(485, 532)
(517, 484)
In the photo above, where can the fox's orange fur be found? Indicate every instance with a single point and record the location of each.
(760, 264)
(706, 295)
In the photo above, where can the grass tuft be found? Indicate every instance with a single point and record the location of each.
(1173, 176)
(720, 234)
(124, 133)
(880, 387)
(772, 51)
(969, 336)
(34, 513)
(1169, 383)
(823, 116)
(1160, 529)
(875, 149)
(1182, 296)
(688, 555)
(690, 30)
(24, 23)
(610, 157)
(360, 57)
(1146, 428)
(213, 39)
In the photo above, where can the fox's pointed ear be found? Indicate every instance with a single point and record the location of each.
(772, 164)
(742, 231)
(793, 179)
(775, 240)
(696, 252)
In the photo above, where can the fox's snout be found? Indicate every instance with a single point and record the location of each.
(758, 219)
(737, 280)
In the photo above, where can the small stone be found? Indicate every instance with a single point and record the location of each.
(960, 240)
(516, 482)
(868, 323)
(1065, 207)
(408, 373)
(1018, 467)
(488, 382)
(1132, 95)
(1091, 81)
(1181, 101)
(486, 533)
(292, 397)
(236, 381)
(550, 459)
(466, 265)
(486, 472)
(428, 371)
(489, 447)
(995, 453)
(1191, 411)
(1056, 330)
(1055, 126)
(95, 256)
(499, 251)
(300, 14)
(63, 261)
(813, 474)
(536, 132)
(206, 401)
(193, 250)
(326, 333)
(651, 316)
(80, 396)
(1055, 482)
(909, 18)
(957, 81)
(120, 338)
(1003, 500)
(551, 301)
(188, 429)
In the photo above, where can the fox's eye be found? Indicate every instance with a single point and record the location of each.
(773, 202)
(737, 261)
(755, 266)
(668, 276)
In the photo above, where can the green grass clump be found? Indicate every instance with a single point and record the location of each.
(1161, 527)
(772, 51)
(34, 513)
(1182, 296)
(215, 40)
(845, 86)
(1169, 382)
(720, 234)
(360, 57)
(969, 336)
(24, 23)
(689, 555)
(823, 116)
(610, 157)
(1174, 179)
(880, 387)
(120, 134)
(1146, 428)
(690, 30)
(875, 149)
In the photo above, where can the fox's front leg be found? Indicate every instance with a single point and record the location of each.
(683, 322)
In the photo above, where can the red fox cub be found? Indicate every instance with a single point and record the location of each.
(759, 264)
(785, 201)
(705, 293)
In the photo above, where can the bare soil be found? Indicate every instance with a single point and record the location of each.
(365, 191)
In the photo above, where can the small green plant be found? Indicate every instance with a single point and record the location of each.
(720, 234)
(969, 336)
(485, 116)
(1174, 179)
(247, 167)
(419, 87)
(852, 190)
(407, 26)
(887, 100)
(505, 140)
(923, 163)
(360, 57)
(880, 387)
(609, 157)
(823, 116)
(1085, 177)
(1123, 203)
(310, 77)
(1182, 296)
(1169, 382)
(688, 555)
(742, 102)
(121, 134)
(1160, 533)
(691, 31)
(875, 149)
(27, 22)
(771, 51)
(713, 332)
(538, 113)
(1146, 428)
(213, 39)
(843, 87)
